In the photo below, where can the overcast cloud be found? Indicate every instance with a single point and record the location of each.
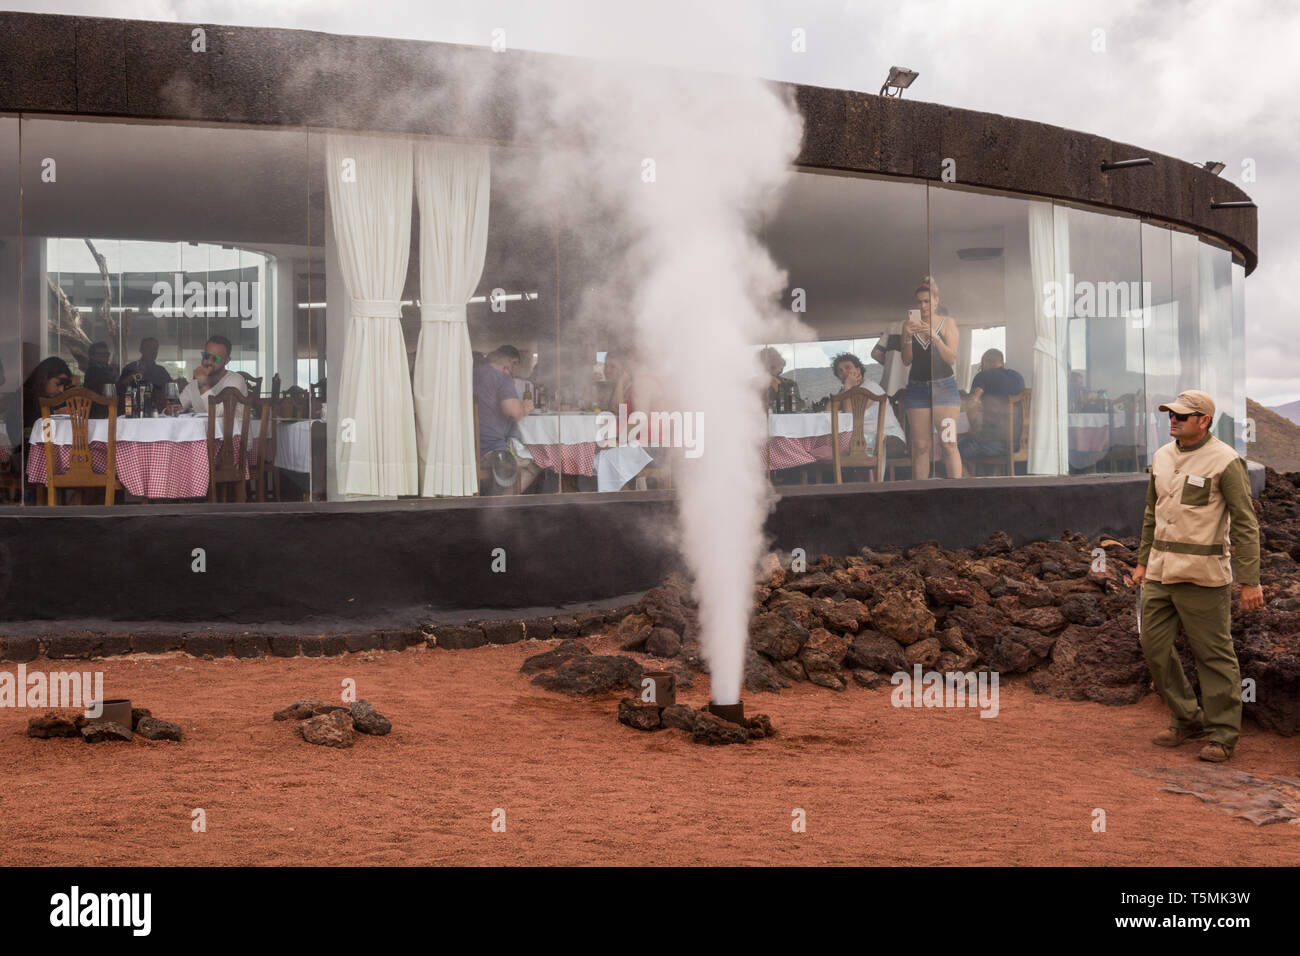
(1202, 79)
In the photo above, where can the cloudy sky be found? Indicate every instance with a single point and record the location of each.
(1198, 79)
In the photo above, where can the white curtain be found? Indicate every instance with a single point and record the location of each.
(1049, 257)
(453, 184)
(370, 202)
(962, 369)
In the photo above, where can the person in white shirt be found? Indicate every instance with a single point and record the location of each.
(210, 378)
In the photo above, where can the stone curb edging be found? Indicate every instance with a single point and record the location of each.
(97, 645)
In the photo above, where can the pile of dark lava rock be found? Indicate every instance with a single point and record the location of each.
(334, 725)
(54, 724)
(1053, 610)
(571, 668)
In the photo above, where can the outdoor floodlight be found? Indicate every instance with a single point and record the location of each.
(1210, 166)
(900, 78)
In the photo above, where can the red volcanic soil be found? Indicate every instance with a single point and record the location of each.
(879, 785)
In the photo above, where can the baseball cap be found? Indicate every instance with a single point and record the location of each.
(1191, 402)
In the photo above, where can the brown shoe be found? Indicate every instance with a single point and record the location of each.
(1176, 737)
(1215, 753)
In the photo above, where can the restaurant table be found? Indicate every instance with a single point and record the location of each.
(804, 438)
(568, 441)
(164, 457)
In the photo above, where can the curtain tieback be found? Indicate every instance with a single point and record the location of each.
(1045, 345)
(442, 312)
(377, 308)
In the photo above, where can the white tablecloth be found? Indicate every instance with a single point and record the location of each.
(567, 428)
(180, 428)
(293, 439)
(815, 424)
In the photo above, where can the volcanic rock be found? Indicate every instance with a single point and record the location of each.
(792, 669)
(593, 674)
(808, 583)
(101, 731)
(663, 643)
(1082, 609)
(925, 653)
(1103, 664)
(826, 678)
(137, 713)
(679, 716)
(663, 607)
(759, 726)
(1045, 620)
(367, 720)
(306, 707)
(903, 615)
(151, 728)
(633, 631)
(637, 714)
(567, 650)
(760, 675)
(949, 589)
(844, 617)
(832, 646)
(999, 542)
(51, 724)
(867, 678)
(332, 729)
(776, 634)
(712, 729)
(876, 652)
(1018, 649)
(953, 642)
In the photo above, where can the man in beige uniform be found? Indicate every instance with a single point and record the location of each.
(1197, 485)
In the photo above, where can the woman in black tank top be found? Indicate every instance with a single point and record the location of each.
(931, 398)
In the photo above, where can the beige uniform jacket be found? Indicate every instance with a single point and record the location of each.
(1193, 495)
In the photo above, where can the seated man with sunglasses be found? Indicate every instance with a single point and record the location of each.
(211, 376)
(1198, 493)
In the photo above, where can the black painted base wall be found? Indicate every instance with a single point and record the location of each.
(419, 560)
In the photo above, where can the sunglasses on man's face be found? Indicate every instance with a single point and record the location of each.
(1182, 418)
(218, 359)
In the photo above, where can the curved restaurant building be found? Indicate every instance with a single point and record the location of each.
(152, 198)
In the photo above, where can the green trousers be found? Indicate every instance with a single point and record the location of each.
(1205, 614)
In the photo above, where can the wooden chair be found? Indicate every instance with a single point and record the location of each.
(264, 470)
(859, 400)
(1127, 446)
(1006, 464)
(81, 472)
(293, 404)
(228, 465)
(254, 384)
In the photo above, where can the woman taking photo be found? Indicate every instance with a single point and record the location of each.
(931, 399)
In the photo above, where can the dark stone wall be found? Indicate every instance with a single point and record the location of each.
(91, 66)
(424, 560)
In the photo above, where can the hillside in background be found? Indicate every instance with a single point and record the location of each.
(1290, 410)
(1277, 439)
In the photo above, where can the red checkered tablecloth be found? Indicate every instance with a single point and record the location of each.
(579, 459)
(154, 469)
(794, 452)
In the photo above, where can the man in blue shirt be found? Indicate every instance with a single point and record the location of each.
(993, 385)
(499, 407)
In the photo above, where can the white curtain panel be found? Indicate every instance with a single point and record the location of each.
(1048, 411)
(370, 181)
(453, 185)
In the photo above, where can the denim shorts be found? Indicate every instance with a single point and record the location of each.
(942, 391)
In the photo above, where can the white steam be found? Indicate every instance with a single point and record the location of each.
(703, 290)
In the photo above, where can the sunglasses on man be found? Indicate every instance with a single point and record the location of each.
(218, 359)
(1182, 418)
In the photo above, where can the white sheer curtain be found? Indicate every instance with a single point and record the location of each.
(1049, 257)
(453, 184)
(370, 202)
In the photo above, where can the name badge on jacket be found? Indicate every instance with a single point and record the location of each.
(1196, 480)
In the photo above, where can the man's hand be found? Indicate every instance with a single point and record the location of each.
(1139, 575)
(528, 406)
(1252, 596)
(201, 374)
